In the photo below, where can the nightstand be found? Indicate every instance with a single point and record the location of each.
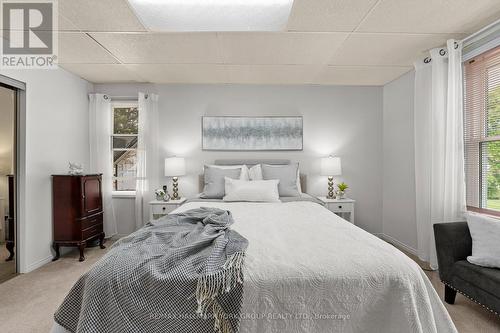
(341, 207)
(159, 208)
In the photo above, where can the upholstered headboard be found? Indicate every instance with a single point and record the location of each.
(252, 162)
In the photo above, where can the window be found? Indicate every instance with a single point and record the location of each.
(124, 145)
(482, 131)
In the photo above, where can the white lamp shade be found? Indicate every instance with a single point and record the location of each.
(175, 166)
(331, 166)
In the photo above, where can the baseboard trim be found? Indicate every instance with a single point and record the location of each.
(37, 264)
(397, 243)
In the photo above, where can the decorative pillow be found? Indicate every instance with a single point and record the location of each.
(257, 190)
(214, 181)
(244, 169)
(287, 175)
(255, 173)
(485, 234)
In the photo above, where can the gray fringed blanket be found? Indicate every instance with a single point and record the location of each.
(182, 273)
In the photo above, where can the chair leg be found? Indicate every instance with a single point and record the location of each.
(449, 295)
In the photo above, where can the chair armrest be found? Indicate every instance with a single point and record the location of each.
(453, 243)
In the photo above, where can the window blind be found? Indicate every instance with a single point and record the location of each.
(482, 131)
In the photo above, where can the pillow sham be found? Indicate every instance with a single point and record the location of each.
(485, 234)
(214, 181)
(244, 169)
(256, 191)
(255, 173)
(287, 175)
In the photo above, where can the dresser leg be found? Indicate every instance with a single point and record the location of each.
(101, 241)
(81, 246)
(55, 246)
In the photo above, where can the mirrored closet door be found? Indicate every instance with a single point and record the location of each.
(7, 183)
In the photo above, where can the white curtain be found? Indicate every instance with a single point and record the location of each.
(439, 148)
(147, 156)
(101, 157)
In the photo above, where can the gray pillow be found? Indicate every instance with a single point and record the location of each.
(214, 181)
(287, 174)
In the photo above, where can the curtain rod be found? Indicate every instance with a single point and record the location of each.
(123, 98)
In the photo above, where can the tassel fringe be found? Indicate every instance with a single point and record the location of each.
(211, 285)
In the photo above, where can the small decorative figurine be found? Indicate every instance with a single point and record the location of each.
(75, 168)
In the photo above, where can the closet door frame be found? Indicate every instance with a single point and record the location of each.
(20, 169)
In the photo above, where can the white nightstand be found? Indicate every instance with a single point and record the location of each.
(341, 207)
(159, 208)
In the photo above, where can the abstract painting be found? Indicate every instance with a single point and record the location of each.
(252, 133)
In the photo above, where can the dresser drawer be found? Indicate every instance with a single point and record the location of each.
(91, 221)
(340, 207)
(93, 231)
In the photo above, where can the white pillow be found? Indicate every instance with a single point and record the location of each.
(244, 169)
(257, 190)
(485, 233)
(255, 173)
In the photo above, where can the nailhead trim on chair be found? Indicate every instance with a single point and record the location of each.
(472, 299)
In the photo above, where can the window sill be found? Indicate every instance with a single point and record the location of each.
(123, 194)
(485, 211)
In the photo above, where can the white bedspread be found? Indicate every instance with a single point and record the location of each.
(308, 270)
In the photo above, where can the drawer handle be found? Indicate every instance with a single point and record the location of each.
(164, 208)
(340, 207)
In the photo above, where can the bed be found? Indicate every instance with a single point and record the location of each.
(308, 270)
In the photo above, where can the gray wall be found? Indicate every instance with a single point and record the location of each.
(56, 132)
(345, 121)
(399, 220)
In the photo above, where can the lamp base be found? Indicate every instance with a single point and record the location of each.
(331, 193)
(175, 189)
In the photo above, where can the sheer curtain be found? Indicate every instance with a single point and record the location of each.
(101, 158)
(439, 148)
(147, 156)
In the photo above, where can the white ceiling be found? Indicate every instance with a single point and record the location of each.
(350, 42)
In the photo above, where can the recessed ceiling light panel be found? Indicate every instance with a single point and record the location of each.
(213, 15)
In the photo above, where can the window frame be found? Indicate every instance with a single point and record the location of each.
(484, 138)
(121, 104)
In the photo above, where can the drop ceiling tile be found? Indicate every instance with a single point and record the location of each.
(356, 76)
(387, 49)
(272, 74)
(99, 15)
(181, 73)
(65, 25)
(162, 48)
(103, 73)
(279, 48)
(431, 16)
(328, 15)
(76, 47)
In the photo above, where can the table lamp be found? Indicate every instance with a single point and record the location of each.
(175, 167)
(331, 166)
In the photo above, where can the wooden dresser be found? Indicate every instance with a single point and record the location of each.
(77, 211)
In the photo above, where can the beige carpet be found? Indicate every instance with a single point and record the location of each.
(28, 301)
